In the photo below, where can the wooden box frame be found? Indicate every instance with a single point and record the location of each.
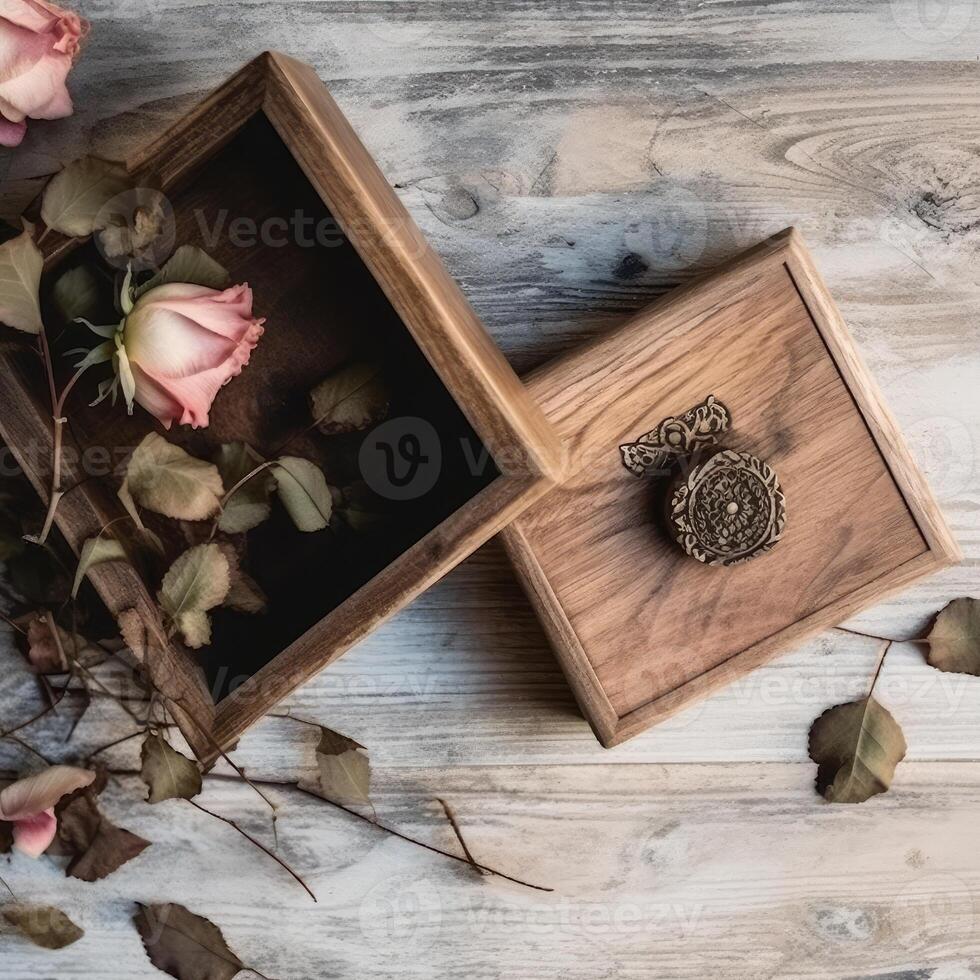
(431, 306)
(609, 392)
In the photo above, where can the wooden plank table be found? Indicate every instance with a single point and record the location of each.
(571, 161)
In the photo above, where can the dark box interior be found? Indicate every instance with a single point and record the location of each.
(323, 309)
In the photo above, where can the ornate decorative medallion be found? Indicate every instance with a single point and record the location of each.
(653, 453)
(727, 509)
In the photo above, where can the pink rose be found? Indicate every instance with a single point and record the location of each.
(180, 344)
(29, 805)
(38, 44)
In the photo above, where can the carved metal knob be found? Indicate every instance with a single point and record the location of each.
(726, 509)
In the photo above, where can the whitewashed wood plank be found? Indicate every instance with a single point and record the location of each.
(682, 871)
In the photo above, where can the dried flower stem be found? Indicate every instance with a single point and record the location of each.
(258, 844)
(57, 410)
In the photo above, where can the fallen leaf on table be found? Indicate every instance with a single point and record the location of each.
(167, 480)
(343, 769)
(44, 925)
(95, 551)
(20, 280)
(97, 847)
(350, 399)
(304, 492)
(856, 747)
(74, 199)
(168, 774)
(185, 945)
(954, 641)
(249, 505)
(196, 582)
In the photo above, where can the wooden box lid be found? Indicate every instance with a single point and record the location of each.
(268, 141)
(640, 628)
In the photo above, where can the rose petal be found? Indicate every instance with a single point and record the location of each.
(29, 796)
(33, 835)
(12, 133)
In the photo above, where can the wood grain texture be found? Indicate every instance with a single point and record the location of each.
(570, 162)
(642, 628)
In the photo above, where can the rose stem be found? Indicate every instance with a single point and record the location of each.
(57, 409)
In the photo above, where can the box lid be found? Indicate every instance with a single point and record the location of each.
(640, 627)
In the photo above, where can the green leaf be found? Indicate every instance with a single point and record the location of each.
(76, 293)
(74, 199)
(20, 280)
(185, 945)
(196, 582)
(168, 774)
(95, 551)
(43, 925)
(167, 480)
(856, 747)
(304, 492)
(351, 399)
(188, 264)
(249, 505)
(954, 641)
(343, 769)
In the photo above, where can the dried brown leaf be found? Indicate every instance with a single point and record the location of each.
(97, 847)
(954, 641)
(343, 769)
(185, 945)
(856, 747)
(43, 925)
(168, 774)
(350, 399)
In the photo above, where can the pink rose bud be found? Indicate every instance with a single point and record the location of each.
(29, 804)
(180, 344)
(38, 45)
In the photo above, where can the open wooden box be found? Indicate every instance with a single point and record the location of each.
(642, 629)
(269, 143)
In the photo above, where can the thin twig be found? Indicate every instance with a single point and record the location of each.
(30, 748)
(451, 817)
(412, 840)
(885, 647)
(257, 843)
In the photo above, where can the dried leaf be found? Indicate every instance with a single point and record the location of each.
(76, 293)
(167, 774)
(49, 655)
(96, 845)
(249, 505)
(96, 551)
(245, 596)
(185, 945)
(856, 747)
(304, 492)
(20, 280)
(343, 769)
(196, 582)
(351, 399)
(74, 199)
(166, 479)
(44, 925)
(954, 641)
(188, 264)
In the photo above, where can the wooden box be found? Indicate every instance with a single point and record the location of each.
(642, 629)
(267, 145)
